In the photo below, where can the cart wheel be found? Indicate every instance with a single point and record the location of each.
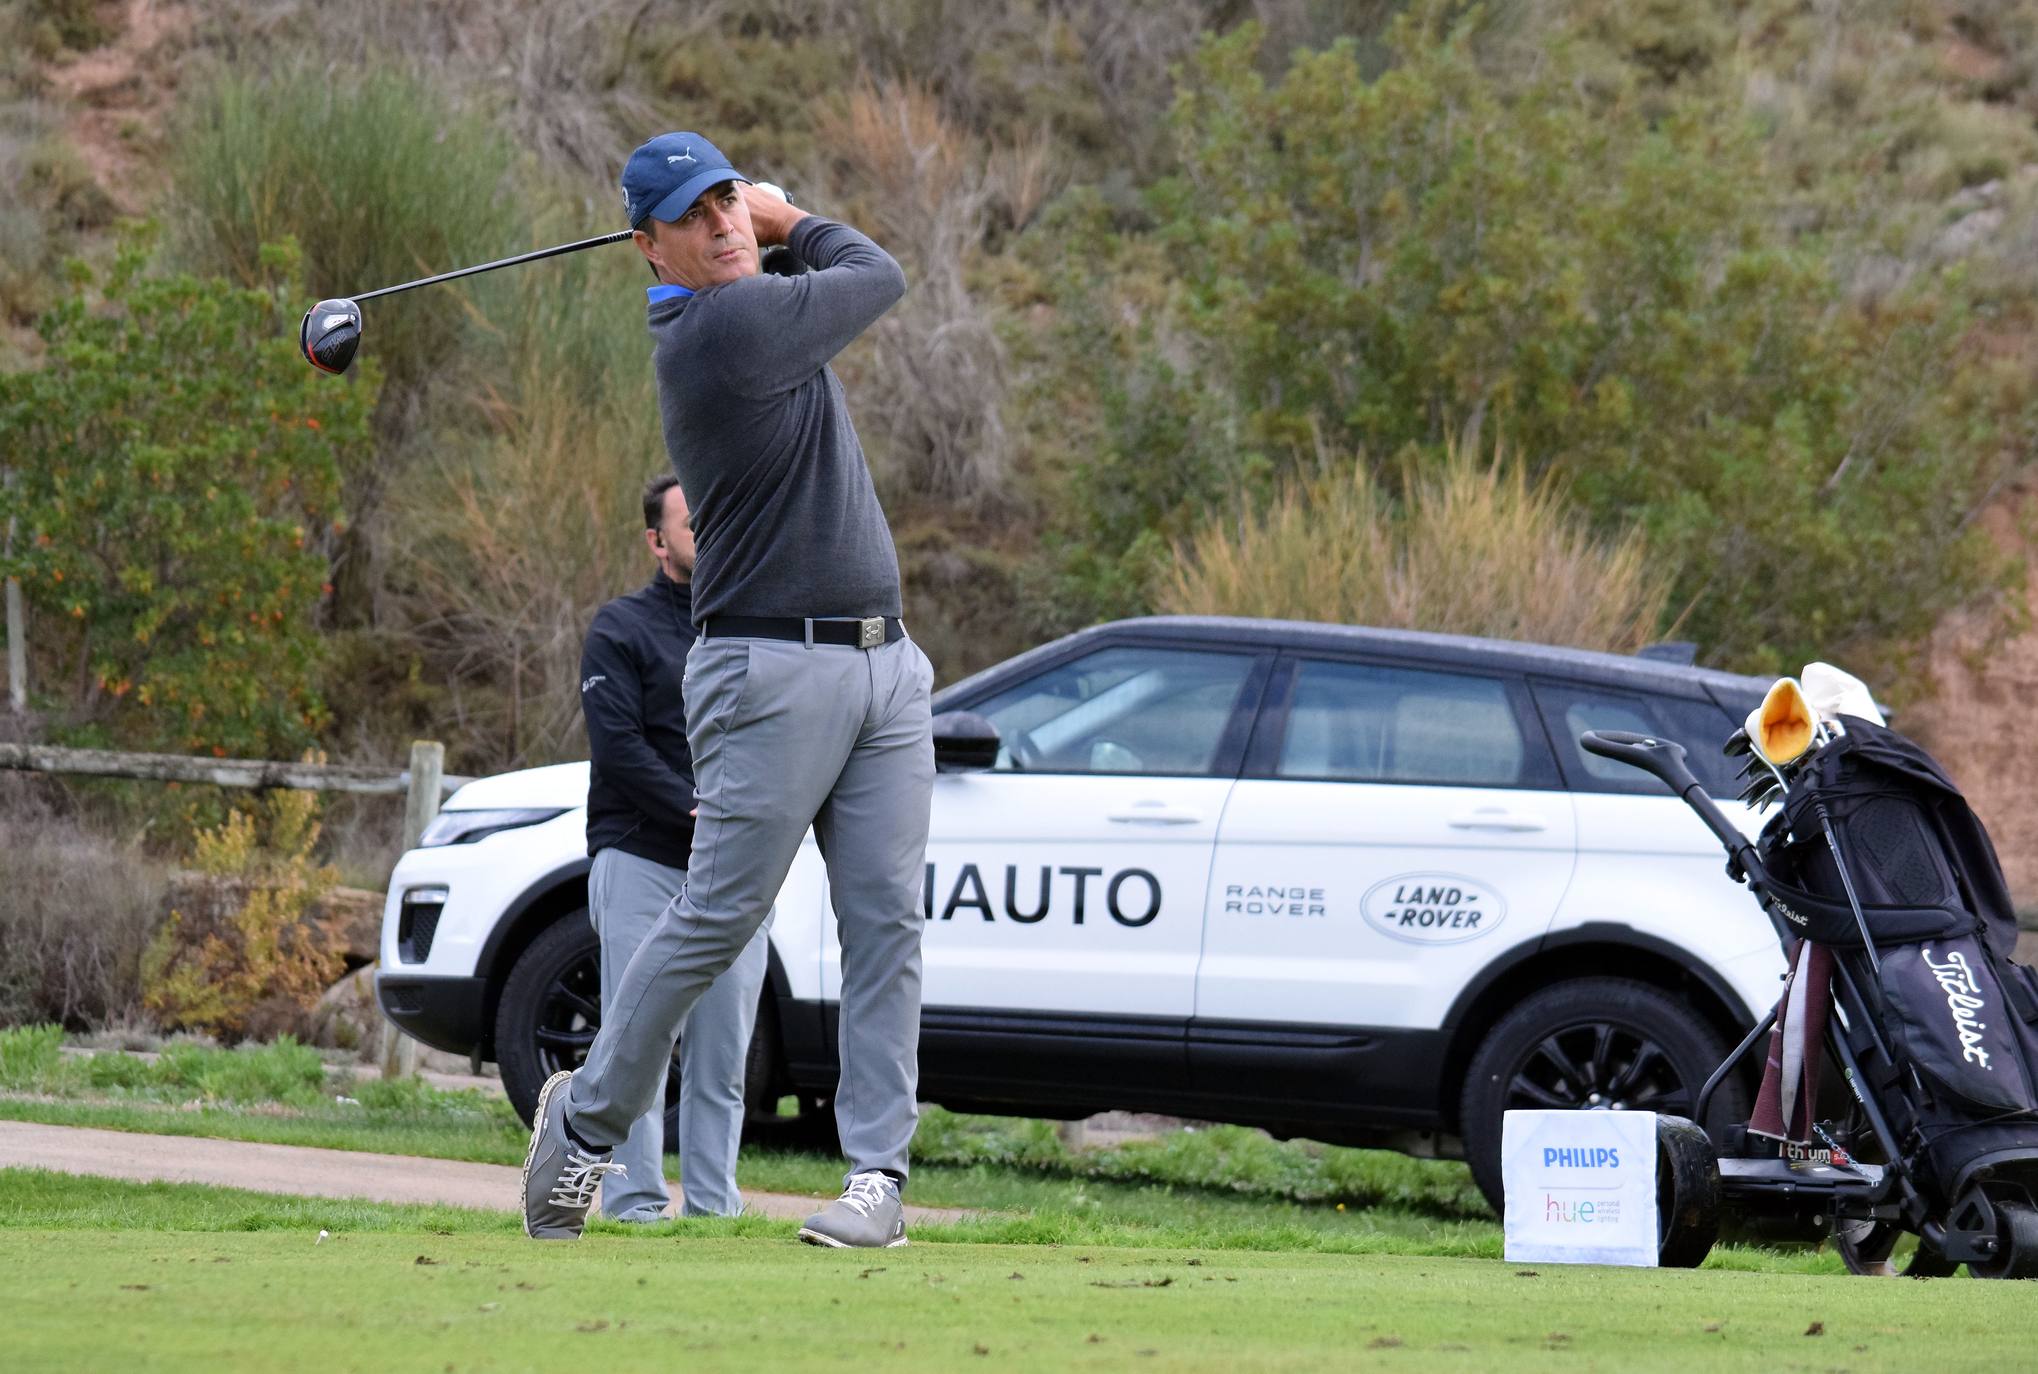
(1687, 1194)
(2016, 1255)
(1867, 1247)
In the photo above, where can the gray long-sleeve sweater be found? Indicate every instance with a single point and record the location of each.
(785, 520)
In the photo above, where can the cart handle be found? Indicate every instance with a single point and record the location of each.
(1664, 760)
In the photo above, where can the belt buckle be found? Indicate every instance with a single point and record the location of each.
(870, 632)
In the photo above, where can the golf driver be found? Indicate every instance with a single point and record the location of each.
(331, 332)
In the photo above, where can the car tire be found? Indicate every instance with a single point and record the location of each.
(549, 1012)
(541, 1026)
(1569, 1041)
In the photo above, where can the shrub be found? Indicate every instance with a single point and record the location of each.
(178, 470)
(29, 1055)
(79, 910)
(507, 539)
(375, 177)
(1473, 548)
(1371, 263)
(245, 953)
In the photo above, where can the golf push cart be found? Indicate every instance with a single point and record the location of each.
(1885, 893)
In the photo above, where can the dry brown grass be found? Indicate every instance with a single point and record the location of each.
(508, 544)
(930, 403)
(553, 75)
(77, 910)
(1472, 548)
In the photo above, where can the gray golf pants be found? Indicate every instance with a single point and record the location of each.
(626, 895)
(785, 736)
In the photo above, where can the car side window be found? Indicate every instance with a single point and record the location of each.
(1126, 709)
(1355, 722)
(1570, 710)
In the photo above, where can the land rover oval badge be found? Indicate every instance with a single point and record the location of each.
(1433, 908)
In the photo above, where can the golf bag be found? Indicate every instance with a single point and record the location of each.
(1942, 1023)
(1887, 898)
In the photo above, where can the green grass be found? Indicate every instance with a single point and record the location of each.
(1223, 1188)
(171, 1277)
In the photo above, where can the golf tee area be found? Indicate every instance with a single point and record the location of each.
(98, 1274)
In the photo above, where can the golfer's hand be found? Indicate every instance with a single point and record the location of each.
(771, 218)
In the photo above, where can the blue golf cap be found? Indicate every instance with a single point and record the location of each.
(667, 174)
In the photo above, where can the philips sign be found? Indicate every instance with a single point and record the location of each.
(1580, 1187)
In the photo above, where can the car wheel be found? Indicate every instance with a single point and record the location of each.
(549, 1013)
(1591, 1044)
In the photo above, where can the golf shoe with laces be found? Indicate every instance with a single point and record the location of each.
(560, 1177)
(868, 1215)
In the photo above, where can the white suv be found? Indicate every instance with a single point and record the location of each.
(1359, 885)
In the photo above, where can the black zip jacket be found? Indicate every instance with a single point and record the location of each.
(640, 796)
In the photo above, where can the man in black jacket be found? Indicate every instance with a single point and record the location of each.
(640, 820)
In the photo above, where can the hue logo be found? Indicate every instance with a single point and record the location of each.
(1590, 1212)
(1432, 908)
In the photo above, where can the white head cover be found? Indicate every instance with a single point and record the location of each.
(1833, 692)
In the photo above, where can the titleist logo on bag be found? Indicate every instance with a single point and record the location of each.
(1963, 1000)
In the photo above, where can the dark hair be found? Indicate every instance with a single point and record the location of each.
(654, 499)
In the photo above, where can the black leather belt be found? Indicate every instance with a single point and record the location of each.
(867, 633)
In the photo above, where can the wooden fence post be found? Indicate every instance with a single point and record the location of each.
(17, 630)
(399, 1053)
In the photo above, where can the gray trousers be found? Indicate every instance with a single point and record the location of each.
(626, 896)
(785, 736)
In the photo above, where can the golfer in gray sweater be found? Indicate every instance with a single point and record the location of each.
(806, 702)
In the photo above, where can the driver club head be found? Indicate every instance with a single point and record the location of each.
(330, 334)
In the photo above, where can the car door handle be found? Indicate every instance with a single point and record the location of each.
(1496, 818)
(1153, 813)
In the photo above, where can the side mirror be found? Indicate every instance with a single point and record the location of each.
(964, 742)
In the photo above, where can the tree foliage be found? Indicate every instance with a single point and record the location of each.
(173, 464)
(1371, 264)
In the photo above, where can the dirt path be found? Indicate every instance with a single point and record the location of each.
(307, 1172)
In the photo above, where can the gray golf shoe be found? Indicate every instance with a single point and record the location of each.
(868, 1215)
(560, 1178)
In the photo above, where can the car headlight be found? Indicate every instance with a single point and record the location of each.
(465, 827)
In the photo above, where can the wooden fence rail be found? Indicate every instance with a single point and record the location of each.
(423, 786)
(316, 777)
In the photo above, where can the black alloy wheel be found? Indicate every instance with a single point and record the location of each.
(1591, 1044)
(550, 1011)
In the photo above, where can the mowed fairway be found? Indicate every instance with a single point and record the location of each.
(167, 1277)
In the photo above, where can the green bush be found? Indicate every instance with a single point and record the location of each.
(1355, 264)
(175, 475)
(29, 1055)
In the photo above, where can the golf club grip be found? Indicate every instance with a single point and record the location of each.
(552, 252)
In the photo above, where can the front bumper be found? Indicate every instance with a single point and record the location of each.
(448, 1014)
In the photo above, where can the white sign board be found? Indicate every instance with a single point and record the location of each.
(1580, 1187)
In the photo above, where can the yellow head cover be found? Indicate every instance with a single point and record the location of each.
(1782, 727)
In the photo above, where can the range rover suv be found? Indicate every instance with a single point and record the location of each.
(1354, 884)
